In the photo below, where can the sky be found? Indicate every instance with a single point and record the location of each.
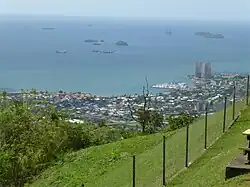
(169, 9)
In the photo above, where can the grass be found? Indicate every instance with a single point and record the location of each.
(90, 166)
(209, 170)
(111, 164)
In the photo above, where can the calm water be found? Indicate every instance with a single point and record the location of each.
(28, 58)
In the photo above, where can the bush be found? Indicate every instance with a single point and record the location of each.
(33, 138)
(181, 121)
(104, 135)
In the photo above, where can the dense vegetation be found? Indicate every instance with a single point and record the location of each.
(34, 135)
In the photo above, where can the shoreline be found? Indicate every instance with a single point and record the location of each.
(187, 80)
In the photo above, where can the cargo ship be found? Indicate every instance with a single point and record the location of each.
(62, 51)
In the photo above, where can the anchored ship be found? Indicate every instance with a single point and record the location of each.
(62, 51)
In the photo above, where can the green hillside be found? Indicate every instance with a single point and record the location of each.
(111, 164)
(209, 170)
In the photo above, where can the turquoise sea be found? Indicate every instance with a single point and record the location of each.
(28, 57)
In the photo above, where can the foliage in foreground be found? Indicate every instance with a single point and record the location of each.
(32, 138)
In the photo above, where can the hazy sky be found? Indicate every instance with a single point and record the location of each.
(178, 9)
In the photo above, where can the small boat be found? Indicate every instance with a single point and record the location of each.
(63, 51)
(107, 52)
(48, 28)
(168, 32)
(97, 44)
(96, 51)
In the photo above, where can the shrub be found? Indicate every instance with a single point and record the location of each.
(33, 138)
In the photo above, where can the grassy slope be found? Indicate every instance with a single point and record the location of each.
(91, 165)
(110, 165)
(209, 170)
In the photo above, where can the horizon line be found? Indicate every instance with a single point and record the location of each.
(142, 18)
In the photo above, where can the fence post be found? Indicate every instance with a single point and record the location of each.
(133, 171)
(205, 143)
(247, 90)
(225, 114)
(187, 139)
(164, 161)
(234, 102)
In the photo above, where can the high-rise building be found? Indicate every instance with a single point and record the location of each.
(198, 69)
(203, 70)
(207, 71)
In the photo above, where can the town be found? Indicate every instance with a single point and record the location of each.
(194, 100)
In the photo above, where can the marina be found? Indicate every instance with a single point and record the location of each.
(169, 86)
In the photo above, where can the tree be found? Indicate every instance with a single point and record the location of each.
(156, 119)
(30, 139)
(143, 115)
(182, 120)
(4, 94)
(33, 91)
(186, 118)
(102, 123)
(33, 135)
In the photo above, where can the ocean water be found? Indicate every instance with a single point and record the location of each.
(28, 57)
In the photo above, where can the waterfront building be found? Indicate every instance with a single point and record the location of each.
(207, 71)
(198, 69)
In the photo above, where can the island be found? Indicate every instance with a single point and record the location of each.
(121, 43)
(209, 35)
(91, 41)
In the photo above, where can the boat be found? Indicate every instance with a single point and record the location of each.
(91, 41)
(97, 44)
(100, 51)
(107, 52)
(48, 28)
(63, 51)
(168, 32)
(209, 35)
(96, 51)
